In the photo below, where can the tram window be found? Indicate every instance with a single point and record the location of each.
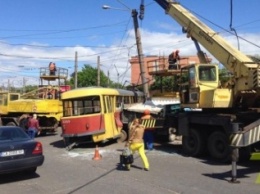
(67, 108)
(126, 100)
(82, 106)
(96, 105)
(119, 100)
(91, 105)
(75, 107)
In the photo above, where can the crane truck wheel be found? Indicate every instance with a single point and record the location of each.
(193, 144)
(218, 146)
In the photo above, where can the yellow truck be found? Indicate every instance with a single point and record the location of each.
(44, 101)
(215, 117)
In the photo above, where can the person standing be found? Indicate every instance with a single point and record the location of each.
(52, 68)
(136, 143)
(173, 58)
(33, 126)
(23, 122)
(149, 132)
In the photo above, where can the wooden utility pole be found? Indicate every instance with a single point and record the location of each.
(76, 71)
(140, 54)
(98, 71)
(24, 84)
(108, 82)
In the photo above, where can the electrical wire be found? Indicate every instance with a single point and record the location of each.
(222, 28)
(63, 31)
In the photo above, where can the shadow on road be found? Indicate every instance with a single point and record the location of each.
(244, 169)
(15, 177)
(60, 144)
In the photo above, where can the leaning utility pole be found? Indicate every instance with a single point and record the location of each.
(140, 54)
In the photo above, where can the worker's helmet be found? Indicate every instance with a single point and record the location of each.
(146, 112)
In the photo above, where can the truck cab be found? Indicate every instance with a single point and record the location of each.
(199, 87)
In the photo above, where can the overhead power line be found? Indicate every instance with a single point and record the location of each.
(48, 32)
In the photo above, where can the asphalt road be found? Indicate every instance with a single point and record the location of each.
(75, 172)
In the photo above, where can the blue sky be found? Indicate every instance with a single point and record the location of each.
(35, 32)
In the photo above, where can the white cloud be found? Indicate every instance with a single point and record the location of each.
(18, 61)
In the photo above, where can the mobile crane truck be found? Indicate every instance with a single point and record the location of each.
(214, 117)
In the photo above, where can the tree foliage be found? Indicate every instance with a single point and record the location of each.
(170, 83)
(224, 75)
(167, 84)
(88, 76)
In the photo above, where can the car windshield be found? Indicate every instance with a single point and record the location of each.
(12, 133)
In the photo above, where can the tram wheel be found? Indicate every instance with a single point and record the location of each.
(66, 141)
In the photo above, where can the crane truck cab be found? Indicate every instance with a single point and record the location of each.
(199, 87)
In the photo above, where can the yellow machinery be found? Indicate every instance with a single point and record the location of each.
(214, 116)
(44, 101)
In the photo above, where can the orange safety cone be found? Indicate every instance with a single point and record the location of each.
(97, 156)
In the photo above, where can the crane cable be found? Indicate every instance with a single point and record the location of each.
(231, 19)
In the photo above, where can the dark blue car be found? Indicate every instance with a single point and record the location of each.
(18, 152)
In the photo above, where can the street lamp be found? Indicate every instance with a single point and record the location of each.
(138, 44)
(109, 7)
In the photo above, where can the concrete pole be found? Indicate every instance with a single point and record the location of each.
(76, 70)
(98, 71)
(140, 54)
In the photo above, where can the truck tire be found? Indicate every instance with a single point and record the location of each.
(218, 146)
(193, 144)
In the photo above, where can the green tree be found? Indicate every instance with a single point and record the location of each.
(167, 84)
(224, 75)
(29, 88)
(88, 77)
